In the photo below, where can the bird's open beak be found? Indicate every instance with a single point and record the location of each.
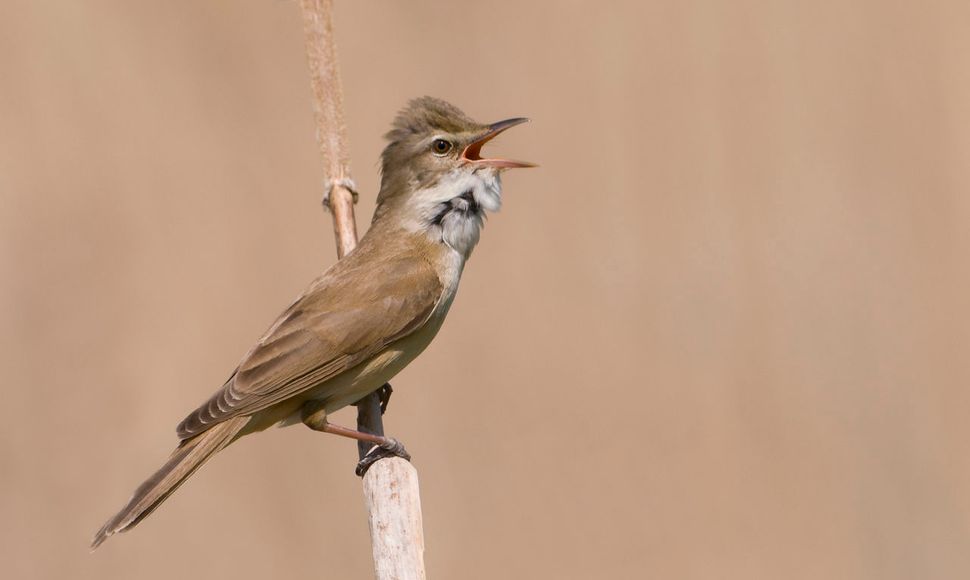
(473, 152)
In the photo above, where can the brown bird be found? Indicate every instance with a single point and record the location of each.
(369, 315)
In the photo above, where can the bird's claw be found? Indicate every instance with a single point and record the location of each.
(384, 396)
(389, 448)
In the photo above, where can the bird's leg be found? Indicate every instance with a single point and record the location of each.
(314, 416)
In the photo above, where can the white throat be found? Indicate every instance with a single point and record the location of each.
(453, 210)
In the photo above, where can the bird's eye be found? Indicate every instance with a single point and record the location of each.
(441, 146)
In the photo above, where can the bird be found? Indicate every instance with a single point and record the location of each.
(368, 315)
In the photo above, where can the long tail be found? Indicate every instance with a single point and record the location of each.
(187, 458)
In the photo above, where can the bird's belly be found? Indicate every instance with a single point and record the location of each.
(356, 383)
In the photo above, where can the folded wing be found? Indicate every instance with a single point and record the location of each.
(341, 320)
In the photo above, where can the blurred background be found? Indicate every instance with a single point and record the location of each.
(720, 333)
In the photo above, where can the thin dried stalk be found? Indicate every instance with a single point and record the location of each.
(340, 192)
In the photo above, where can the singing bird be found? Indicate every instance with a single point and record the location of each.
(366, 317)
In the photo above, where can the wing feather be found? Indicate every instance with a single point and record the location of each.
(330, 328)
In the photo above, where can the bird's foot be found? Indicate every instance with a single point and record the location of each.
(390, 447)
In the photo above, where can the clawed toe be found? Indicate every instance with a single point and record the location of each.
(389, 448)
(396, 448)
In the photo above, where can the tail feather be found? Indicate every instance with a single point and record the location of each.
(185, 460)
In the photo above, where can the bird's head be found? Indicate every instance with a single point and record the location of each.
(434, 175)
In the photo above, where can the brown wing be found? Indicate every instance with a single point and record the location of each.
(342, 319)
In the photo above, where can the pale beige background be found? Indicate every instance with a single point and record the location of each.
(720, 333)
